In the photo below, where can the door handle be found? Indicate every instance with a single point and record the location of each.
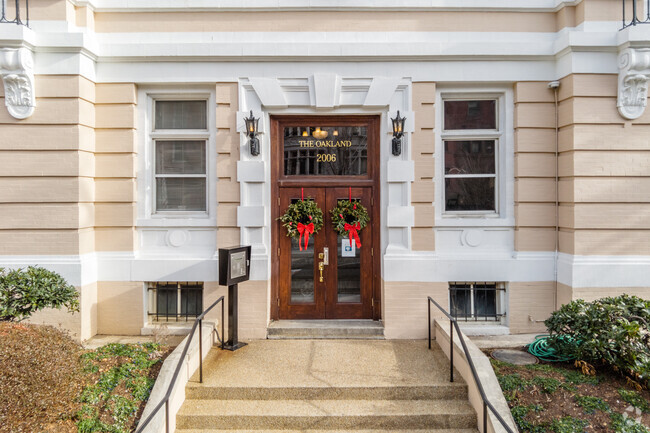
(321, 266)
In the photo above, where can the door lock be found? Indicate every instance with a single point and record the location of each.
(325, 256)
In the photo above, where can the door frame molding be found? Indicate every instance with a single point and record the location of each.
(278, 180)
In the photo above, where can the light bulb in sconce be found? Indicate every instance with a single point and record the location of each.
(335, 133)
(319, 133)
(305, 134)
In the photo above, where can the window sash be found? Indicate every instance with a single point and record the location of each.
(183, 137)
(469, 302)
(473, 135)
(177, 299)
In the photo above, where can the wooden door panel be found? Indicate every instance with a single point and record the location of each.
(293, 262)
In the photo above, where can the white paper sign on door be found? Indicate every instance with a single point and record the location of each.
(348, 249)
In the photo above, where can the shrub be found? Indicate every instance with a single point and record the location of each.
(24, 292)
(608, 331)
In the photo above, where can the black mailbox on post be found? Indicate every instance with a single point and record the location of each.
(234, 268)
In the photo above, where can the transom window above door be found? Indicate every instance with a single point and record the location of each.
(180, 135)
(471, 137)
(325, 150)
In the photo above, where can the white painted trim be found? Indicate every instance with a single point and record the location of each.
(340, 5)
(488, 266)
(145, 176)
(603, 271)
(573, 271)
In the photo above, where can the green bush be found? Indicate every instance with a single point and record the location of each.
(24, 292)
(608, 331)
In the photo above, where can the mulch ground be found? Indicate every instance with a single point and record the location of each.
(40, 378)
(562, 401)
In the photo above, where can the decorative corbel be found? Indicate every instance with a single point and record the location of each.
(17, 71)
(633, 76)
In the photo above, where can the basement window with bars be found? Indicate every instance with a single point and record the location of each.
(174, 302)
(477, 301)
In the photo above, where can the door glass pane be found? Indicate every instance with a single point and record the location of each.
(326, 151)
(302, 272)
(349, 271)
(181, 115)
(469, 193)
(469, 157)
(470, 115)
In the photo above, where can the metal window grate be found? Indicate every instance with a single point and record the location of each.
(19, 8)
(476, 301)
(633, 14)
(175, 301)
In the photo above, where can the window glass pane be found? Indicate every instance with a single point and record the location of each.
(326, 151)
(349, 272)
(184, 194)
(461, 303)
(166, 301)
(469, 157)
(181, 115)
(485, 302)
(472, 194)
(470, 114)
(191, 302)
(180, 157)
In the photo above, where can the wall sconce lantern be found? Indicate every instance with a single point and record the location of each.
(251, 131)
(398, 132)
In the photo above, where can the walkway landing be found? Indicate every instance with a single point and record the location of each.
(326, 386)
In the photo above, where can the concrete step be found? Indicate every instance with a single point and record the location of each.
(326, 414)
(326, 329)
(444, 430)
(197, 391)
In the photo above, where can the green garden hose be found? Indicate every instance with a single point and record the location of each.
(541, 349)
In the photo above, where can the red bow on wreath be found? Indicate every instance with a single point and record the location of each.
(304, 229)
(353, 230)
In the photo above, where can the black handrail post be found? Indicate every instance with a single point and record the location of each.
(623, 2)
(429, 316)
(451, 350)
(27, 12)
(634, 18)
(223, 327)
(167, 415)
(200, 350)
(484, 417)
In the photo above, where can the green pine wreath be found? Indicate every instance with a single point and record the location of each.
(349, 212)
(302, 211)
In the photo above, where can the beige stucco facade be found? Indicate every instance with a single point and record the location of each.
(572, 217)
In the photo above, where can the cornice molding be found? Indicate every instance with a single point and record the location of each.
(17, 71)
(633, 76)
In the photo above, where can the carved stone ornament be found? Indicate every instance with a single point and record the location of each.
(633, 75)
(17, 70)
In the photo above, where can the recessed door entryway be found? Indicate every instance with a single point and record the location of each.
(326, 160)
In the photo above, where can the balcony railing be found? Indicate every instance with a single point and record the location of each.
(15, 12)
(635, 12)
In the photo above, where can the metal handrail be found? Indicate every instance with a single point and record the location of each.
(635, 16)
(17, 19)
(454, 324)
(165, 400)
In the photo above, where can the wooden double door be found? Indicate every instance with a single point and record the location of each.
(331, 277)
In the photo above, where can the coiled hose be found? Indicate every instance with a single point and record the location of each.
(541, 349)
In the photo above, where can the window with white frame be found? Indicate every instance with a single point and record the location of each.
(180, 140)
(477, 301)
(174, 301)
(471, 135)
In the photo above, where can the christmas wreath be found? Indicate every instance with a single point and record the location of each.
(301, 219)
(349, 218)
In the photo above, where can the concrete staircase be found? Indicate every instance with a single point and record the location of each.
(327, 386)
(326, 329)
